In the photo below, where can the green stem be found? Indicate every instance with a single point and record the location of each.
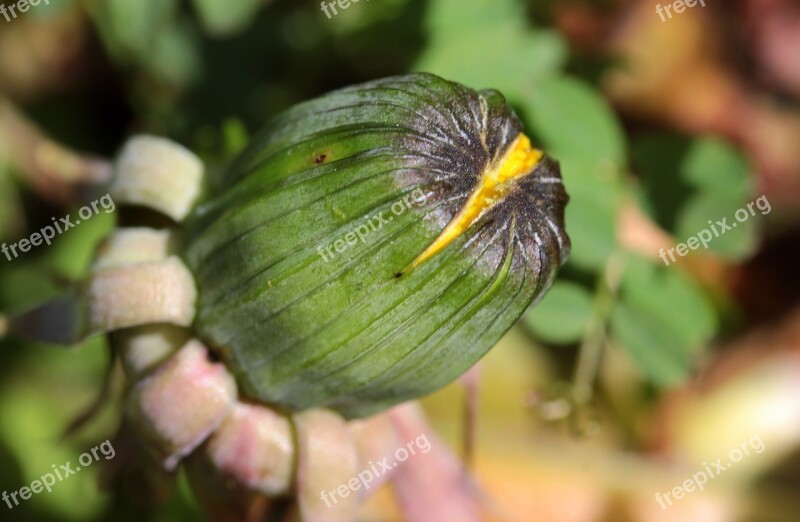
(591, 348)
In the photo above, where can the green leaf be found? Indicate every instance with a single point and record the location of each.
(591, 216)
(562, 316)
(657, 159)
(235, 137)
(714, 165)
(71, 252)
(34, 411)
(223, 17)
(663, 320)
(22, 285)
(673, 297)
(738, 242)
(131, 27)
(687, 183)
(574, 121)
(152, 35)
(175, 56)
(460, 31)
(648, 343)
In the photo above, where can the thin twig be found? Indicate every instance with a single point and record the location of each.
(471, 383)
(56, 173)
(591, 348)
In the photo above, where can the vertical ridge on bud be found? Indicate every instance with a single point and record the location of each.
(301, 259)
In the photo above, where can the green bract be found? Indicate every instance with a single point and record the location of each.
(305, 261)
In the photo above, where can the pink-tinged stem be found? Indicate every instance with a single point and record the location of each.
(431, 486)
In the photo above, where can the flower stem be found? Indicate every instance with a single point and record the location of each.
(591, 348)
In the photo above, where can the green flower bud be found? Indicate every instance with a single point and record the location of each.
(372, 244)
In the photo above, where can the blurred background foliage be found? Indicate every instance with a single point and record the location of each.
(595, 399)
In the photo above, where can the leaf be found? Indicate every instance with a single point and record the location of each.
(657, 159)
(562, 316)
(720, 174)
(648, 343)
(71, 252)
(235, 137)
(735, 243)
(223, 18)
(149, 33)
(131, 27)
(33, 414)
(175, 57)
(519, 56)
(663, 320)
(574, 121)
(712, 164)
(687, 183)
(672, 296)
(591, 216)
